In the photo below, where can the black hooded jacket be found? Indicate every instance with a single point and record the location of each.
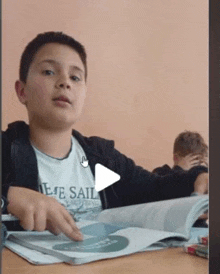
(137, 185)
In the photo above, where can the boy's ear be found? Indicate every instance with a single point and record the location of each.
(20, 91)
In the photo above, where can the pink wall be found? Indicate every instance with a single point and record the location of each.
(148, 67)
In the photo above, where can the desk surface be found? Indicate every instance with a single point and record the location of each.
(169, 261)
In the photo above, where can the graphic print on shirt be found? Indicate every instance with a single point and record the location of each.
(69, 182)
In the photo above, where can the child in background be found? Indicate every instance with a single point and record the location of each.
(189, 150)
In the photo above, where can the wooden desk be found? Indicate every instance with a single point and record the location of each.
(169, 261)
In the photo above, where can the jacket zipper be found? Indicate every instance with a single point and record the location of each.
(105, 199)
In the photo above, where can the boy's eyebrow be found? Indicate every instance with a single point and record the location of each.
(51, 61)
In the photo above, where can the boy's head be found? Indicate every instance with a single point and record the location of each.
(45, 38)
(52, 82)
(189, 142)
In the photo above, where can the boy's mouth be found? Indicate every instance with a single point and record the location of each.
(62, 99)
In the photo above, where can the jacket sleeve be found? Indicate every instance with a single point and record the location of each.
(138, 185)
(164, 170)
(6, 170)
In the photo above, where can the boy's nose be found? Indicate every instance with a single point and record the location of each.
(64, 85)
(63, 82)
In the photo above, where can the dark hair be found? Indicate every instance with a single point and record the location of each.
(43, 39)
(190, 142)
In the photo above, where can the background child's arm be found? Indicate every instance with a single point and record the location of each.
(201, 183)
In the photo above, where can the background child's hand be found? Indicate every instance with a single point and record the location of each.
(190, 161)
(204, 161)
(36, 211)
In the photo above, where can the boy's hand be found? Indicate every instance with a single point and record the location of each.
(192, 160)
(36, 211)
(204, 216)
(204, 161)
(201, 187)
(201, 183)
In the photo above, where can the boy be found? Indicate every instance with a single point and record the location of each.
(189, 150)
(43, 177)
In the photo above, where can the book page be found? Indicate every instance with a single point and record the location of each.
(176, 215)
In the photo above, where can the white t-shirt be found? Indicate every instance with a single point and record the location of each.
(69, 182)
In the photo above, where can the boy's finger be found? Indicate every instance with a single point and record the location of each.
(195, 157)
(40, 220)
(65, 223)
(71, 231)
(203, 164)
(72, 223)
(54, 230)
(195, 163)
(27, 222)
(198, 161)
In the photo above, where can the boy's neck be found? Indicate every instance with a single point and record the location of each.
(56, 144)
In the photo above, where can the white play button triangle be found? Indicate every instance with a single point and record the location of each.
(104, 177)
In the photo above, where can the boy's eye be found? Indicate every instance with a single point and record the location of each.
(48, 72)
(75, 78)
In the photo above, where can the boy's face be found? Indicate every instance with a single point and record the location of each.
(55, 89)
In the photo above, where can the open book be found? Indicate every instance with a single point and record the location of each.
(116, 232)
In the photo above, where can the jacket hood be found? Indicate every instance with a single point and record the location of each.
(20, 130)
